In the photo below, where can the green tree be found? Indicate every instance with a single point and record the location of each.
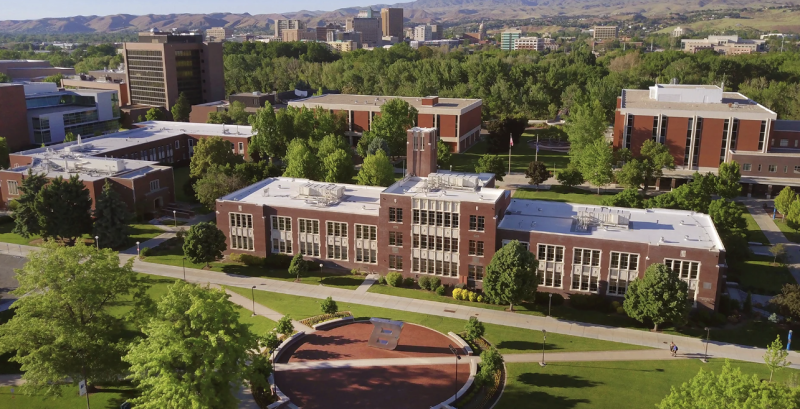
(73, 218)
(586, 124)
(301, 161)
(775, 357)
(4, 78)
(645, 169)
(730, 389)
(731, 226)
(377, 143)
(154, 114)
(570, 176)
(215, 184)
(793, 216)
(204, 243)
(330, 143)
(209, 152)
(266, 142)
(784, 200)
(285, 326)
(491, 362)
(69, 137)
(271, 341)
(397, 117)
(627, 198)
(443, 155)
(56, 79)
(5, 161)
(788, 301)
(595, 163)
(63, 328)
(328, 306)
(298, 266)
(474, 329)
(658, 297)
(195, 352)
(338, 167)
(728, 185)
(110, 218)
(376, 171)
(491, 164)
(181, 109)
(26, 219)
(537, 173)
(511, 275)
(777, 250)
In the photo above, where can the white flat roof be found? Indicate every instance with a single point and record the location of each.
(419, 187)
(285, 192)
(88, 169)
(151, 131)
(447, 106)
(661, 227)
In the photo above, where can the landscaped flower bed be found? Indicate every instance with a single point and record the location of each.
(311, 321)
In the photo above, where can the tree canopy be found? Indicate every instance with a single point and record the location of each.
(643, 170)
(489, 163)
(209, 152)
(376, 171)
(397, 117)
(511, 275)
(181, 109)
(301, 161)
(204, 243)
(73, 218)
(659, 297)
(111, 218)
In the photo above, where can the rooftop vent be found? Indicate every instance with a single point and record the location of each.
(321, 194)
(603, 217)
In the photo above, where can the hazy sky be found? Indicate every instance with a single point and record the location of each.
(36, 9)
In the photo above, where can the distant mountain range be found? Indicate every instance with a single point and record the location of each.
(420, 11)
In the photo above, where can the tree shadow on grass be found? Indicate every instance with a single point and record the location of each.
(526, 399)
(342, 281)
(527, 346)
(556, 381)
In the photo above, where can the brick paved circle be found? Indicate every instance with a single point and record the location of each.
(419, 386)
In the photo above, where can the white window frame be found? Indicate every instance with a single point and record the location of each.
(366, 248)
(551, 271)
(281, 237)
(746, 167)
(177, 144)
(13, 188)
(155, 185)
(241, 148)
(582, 269)
(692, 282)
(308, 241)
(241, 231)
(393, 262)
(337, 244)
(619, 278)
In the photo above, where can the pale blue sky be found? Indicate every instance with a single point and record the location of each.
(36, 9)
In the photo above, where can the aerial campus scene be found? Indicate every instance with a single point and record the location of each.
(434, 204)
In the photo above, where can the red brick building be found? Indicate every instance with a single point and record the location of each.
(457, 121)
(703, 126)
(450, 225)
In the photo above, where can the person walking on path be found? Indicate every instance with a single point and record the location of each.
(673, 348)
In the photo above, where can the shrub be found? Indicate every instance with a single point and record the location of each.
(620, 310)
(382, 280)
(474, 329)
(434, 283)
(440, 290)
(311, 321)
(491, 362)
(615, 304)
(328, 306)
(480, 298)
(285, 326)
(180, 234)
(278, 261)
(312, 265)
(408, 282)
(543, 298)
(773, 318)
(423, 282)
(271, 341)
(473, 296)
(588, 302)
(251, 260)
(394, 279)
(457, 293)
(235, 257)
(144, 252)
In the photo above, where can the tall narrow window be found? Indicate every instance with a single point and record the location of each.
(734, 133)
(281, 234)
(762, 136)
(724, 148)
(628, 131)
(585, 269)
(336, 240)
(622, 270)
(663, 136)
(698, 133)
(551, 265)
(308, 237)
(688, 151)
(241, 231)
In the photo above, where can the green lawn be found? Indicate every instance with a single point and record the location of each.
(612, 385)
(138, 232)
(790, 233)
(754, 232)
(566, 194)
(508, 340)
(759, 276)
(6, 236)
(107, 397)
(521, 155)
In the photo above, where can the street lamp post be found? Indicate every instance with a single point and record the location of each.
(544, 338)
(97, 242)
(253, 294)
(549, 304)
(455, 352)
(708, 335)
(175, 217)
(183, 264)
(138, 253)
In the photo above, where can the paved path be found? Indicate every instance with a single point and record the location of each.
(594, 356)
(774, 234)
(368, 282)
(261, 310)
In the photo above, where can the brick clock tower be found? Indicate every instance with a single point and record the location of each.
(421, 151)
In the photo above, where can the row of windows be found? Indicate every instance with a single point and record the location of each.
(423, 241)
(784, 143)
(476, 248)
(434, 267)
(747, 167)
(395, 215)
(366, 232)
(434, 218)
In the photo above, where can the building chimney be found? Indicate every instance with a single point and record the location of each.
(430, 101)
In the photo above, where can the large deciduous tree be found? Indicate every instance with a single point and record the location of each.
(204, 243)
(658, 297)
(728, 179)
(511, 275)
(627, 198)
(209, 152)
(570, 176)
(26, 219)
(217, 183)
(586, 124)
(397, 117)
(266, 142)
(642, 171)
(793, 216)
(64, 209)
(301, 161)
(784, 200)
(443, 154)
(62, 329)
(788, 300)
(537, 173)
(338, 167)
(376, 171)
(595, 162)
(111, 218)
(489, 163)
(196, 352)
(181, 109)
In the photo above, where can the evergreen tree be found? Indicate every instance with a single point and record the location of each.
(110, 218)
(511, 275)
(64, 209)
(204, 243)
(537, 173)
(5, 162)
(377, 144)
(26, 219)
(301, 161)
(376, 171)
(181, 109)
(659, 297)
(154, 114)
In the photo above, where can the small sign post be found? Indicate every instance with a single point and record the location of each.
(82, 387)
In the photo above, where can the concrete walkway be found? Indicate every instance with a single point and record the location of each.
(368, 282)
(774, 234)
(595, 356)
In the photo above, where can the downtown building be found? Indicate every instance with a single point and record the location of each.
(457, 121)
(703, 126)
(449, 225)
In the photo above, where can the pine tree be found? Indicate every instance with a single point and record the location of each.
(110, 218)
(71, 199)
(181, 109)
(26, 220)
(5, 162)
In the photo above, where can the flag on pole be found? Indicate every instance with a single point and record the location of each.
(537, 146)
(510, 141)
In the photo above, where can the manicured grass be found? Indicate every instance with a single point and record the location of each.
(789, 232)
(754, 232)
(141, 233)
(6, 236)
(759, 275)
(521, 155)
(508, 340)
(566, 194)
(105, 397)
(138, 232)
(599, 385)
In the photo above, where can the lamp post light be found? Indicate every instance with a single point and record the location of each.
(708, 335)
(97, 242)
(458, 357)
(544, 338)
(183, 264)
(138, 253)
(549, 303)
(253, 294)
(175, 217)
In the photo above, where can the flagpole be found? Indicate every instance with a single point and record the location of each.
(537, 148)
(511, 143)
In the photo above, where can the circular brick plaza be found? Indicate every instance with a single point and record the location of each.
(336, 368)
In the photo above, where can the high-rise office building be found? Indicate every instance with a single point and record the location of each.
(218, 34)
(281, 25)
(423, 33)
(162, 65)
(508, 38)
(392, 22)
(437, 30)
(370, 29)
(606, 32)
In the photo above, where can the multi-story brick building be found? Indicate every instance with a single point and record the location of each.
(605, 32)
(703, 126)
(457, 121)
(450, 225)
